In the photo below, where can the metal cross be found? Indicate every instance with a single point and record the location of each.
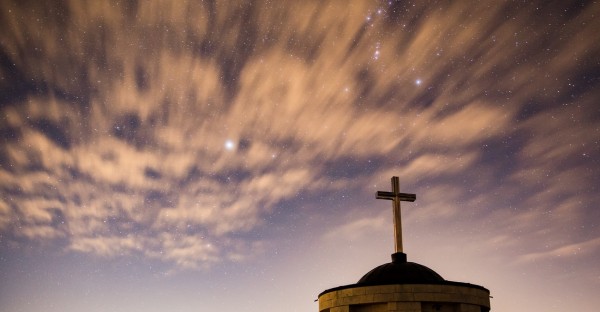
(397, 197)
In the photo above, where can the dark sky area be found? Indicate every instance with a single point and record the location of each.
(224, 155)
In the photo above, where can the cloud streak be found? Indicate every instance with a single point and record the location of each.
(115, 119)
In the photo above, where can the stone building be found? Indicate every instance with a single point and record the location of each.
(404, 286)
(407, 287)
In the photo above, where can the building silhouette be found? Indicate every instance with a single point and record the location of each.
(404, 286)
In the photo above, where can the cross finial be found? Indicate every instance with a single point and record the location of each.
(395, 196)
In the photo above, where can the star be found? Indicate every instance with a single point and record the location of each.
(229, 145)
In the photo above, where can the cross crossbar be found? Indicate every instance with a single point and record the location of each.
(400, 196)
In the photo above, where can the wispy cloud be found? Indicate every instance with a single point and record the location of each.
(115, 120)
(356, 229)
(565, 251)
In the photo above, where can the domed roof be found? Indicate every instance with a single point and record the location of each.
(399, 271)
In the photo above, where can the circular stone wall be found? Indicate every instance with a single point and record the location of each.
(460, 297)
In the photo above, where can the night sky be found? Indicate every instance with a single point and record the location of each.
(224, 156)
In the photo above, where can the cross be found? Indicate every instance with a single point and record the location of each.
(396, 197)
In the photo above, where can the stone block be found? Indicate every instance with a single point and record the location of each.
(424, 296)
(447, 297)
(344, 292)
(324, 304)
(383, 297)
(452, 289)
(408, 306)
(403, 297)
(427, 288)
(369, 298)
(340, 309)
(468, 308)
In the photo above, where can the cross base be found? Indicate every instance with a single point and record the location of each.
(399, 257)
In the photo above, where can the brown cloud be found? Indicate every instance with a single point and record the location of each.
(566, 251)
(125, 111)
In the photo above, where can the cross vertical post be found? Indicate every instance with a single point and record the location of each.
(396, 197)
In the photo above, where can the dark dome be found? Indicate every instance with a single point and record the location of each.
(399, 271)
